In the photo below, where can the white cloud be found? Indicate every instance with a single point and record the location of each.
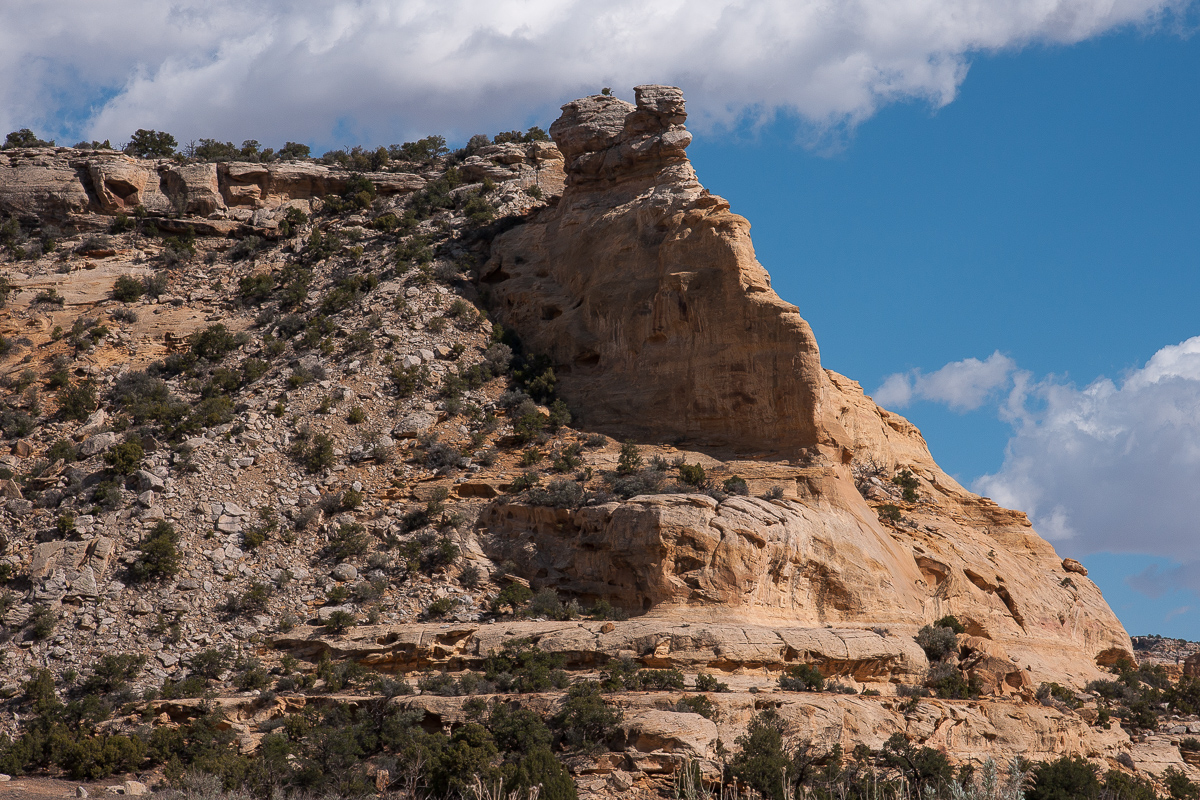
(962, 385)
(372, 71)
(1111, 466)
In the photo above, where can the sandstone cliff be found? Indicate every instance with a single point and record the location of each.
(59, 184)
(644, 290)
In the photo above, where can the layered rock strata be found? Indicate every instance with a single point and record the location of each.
(55, 183)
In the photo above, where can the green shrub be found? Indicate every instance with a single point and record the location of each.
(317, 454)
(1066, 778)
(410, 380)
(735, 485)
(1178, 785)
(256, 288)
(155, 285)
(950, 621)
(560, 493)
(112, 673)
(889, 512)
(698, 704)
(209, 664)
(523, 482)
(926, 770)
(126, 289)
(521, 666)
(762, 760)
(656, 680)
(514, 596)
(348, 540)
(937, 642)
(24, 138)
(214, 342)
(629, 461)
(441, 607)
(708, 683)
(42, 621)
(908, 484)
(546, 603)
(528, 426)
(251, 676)
(49, 296)
(78, 401)
(246, 247)
(294, 150)
(340, 621)
(62, 449)
(949, 683)
(126, 457)
(151, 144)
(693, 475)
(15, 423)
(107, 494)
(159, 558)
(253, 600)
(646, 481)
(586, 721)
(802, 678)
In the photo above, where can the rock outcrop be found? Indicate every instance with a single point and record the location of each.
(538, 164)
(860, 656)
(644, 291)
(55, 183)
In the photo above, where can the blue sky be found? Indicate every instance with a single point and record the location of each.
(989, 212)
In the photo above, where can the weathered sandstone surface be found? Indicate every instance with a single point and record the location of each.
(54, 183)
(644, 290)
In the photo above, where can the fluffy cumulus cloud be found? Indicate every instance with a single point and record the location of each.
(350, 71)
(1112, 466)
(962, 385)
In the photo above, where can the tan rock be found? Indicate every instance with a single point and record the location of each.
(689, 735)
(193, 188)
(1071, 565)
(538, 164)
(733, 364)
(656, 642)
(644, 291)
(92, 555)
(121, 184)
(135, 789)
(40, 182)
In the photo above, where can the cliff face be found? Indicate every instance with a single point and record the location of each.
(644, 290)
(61, 184)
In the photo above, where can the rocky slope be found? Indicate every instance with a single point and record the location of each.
(348, 473)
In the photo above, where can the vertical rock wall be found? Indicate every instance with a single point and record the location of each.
(644, 290)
